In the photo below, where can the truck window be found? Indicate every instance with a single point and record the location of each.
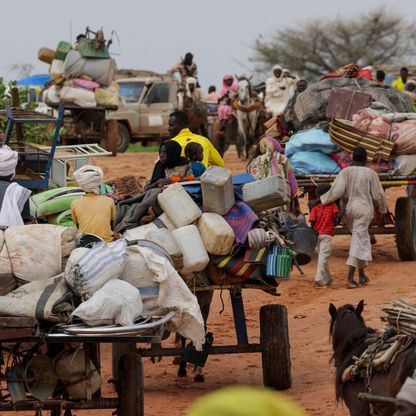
(131, 91)
(159, 93)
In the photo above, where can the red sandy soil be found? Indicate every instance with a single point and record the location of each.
(313, 374)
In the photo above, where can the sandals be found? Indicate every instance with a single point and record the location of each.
(352, 285)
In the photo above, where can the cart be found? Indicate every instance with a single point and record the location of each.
(127, 358)
(85, 125)
(34, 164)
(404, 224)
(20, 337)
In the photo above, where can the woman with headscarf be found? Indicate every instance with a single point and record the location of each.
(228, 90)
(279, 90)
(170, 165)
(269, 161)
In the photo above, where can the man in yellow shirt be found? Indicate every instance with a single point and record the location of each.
(400, 82)
(179, 131)
(93, 213)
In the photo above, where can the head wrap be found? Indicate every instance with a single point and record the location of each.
(227, 88)
(174, 158)
(8, 161)
(408, 391)
(245, 401)
(277, 67)
(89, 178)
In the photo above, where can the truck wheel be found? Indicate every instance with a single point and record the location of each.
(123, 139)
(130, 385)
(274, 339)
(405, 213)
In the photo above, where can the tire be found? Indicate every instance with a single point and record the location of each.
(274, 338)
(130, 386)
(123, 139)
(405, 213)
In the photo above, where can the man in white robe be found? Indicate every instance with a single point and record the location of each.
(362, 187)
(279, 90)
(14, 206)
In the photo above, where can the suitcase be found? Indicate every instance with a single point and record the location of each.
(345, 103)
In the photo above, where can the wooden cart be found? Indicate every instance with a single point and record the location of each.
(404, 227)
(127, 358)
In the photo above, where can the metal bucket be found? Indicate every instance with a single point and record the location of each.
(305, 240)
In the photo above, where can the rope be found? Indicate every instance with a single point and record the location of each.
(397, 320)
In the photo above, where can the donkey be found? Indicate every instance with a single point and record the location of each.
(247, 108)
(348, 332)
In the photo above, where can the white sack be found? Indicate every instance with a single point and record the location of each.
(36, 299)
(100, 70)
(87, 270)
(7, 280)
(404, 165)
(142, 278)
(78, 96)
(116, 303)
(35, 251)
(175, 296)
(51, 96)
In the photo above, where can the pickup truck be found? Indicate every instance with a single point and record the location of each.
(145, 105)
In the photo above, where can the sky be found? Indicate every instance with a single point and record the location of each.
(154, 34)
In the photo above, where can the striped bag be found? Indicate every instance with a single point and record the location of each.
(237, 269)
(348, 138)
(87, 270)
(279, 262)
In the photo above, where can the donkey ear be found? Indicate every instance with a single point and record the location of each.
(332, 311)
(360, 307)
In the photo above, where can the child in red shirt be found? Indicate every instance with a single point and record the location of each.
(323, 219)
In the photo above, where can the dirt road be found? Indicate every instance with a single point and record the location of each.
(313, 374)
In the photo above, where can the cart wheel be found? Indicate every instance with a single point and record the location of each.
(123, 139)
(405, 213)
(130, 386)
(274, 338)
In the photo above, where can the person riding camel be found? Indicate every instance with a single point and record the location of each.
(191, 89)
(279, 90)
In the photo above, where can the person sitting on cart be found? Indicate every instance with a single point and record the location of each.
(169, 166)
(14, 198)
(179, 132)
(362, 188)
(93, 213)
(195, 154)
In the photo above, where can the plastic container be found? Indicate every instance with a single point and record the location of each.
(57, 69)
(268, 193)
(179, 206)
(217, 235)
(217, 190)
(62, 50)
(71, 368)
(139, 233)
(195, 256)
(305, 240)
(165, 239)
(46, 55)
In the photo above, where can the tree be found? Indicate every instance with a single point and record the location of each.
(316, 48)
(22, 70)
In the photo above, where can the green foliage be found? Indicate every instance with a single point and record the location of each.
(316, 47)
